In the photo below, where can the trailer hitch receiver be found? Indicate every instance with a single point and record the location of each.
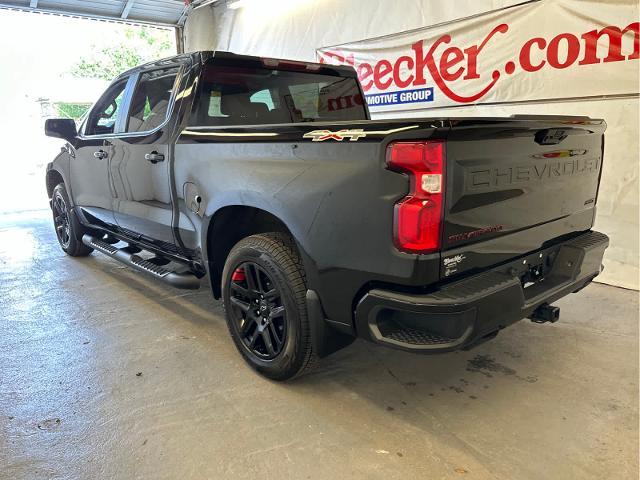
(545, 313)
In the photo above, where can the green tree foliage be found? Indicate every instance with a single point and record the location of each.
(139, 45)
(70, 110)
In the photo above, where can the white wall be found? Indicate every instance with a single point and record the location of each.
(295, 28)
(200, 32)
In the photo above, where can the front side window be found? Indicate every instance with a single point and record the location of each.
(233, 95)
(103, 117)
(151, 99)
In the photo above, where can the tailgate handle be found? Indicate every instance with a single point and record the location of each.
(550, 136)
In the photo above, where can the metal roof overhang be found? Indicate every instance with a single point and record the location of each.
(164, 13)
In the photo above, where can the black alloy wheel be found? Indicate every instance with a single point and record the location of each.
(264, 296)
(61, 220)
(258, 311)
(68, 229)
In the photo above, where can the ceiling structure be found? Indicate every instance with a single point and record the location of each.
(168, 13)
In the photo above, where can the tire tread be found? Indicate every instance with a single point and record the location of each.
(282, 248)
(76, 248)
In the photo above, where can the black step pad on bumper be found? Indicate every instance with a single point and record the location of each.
(463, 313)
(185, 280)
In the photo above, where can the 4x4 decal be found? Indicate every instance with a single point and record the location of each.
(321, 135)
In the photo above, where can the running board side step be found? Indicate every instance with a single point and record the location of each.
(185, 280)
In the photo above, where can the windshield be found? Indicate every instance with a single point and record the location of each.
(233, 95)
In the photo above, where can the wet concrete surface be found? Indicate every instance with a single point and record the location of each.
(105, 373)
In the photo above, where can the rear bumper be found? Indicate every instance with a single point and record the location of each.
(466, 312)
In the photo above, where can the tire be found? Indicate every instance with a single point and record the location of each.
(256, 267)
(68, 229)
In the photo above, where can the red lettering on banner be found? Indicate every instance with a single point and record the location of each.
(573, 50)
(420, 63)
(614, 35)
(451, 67)
(396, 71)
(339, 58)
(439, 80)
(472, 62)
(450, 58)
(525, 55)
(365, 71)
(473, 52)
(382, 69)
(635, 28)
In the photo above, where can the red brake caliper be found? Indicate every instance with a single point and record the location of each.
(238, 275)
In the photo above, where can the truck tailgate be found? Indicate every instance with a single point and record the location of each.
(514, 185)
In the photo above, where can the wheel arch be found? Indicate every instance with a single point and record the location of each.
(227, 226)
(53, 178)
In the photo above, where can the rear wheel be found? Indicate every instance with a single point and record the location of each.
(68, 229)
(264, 294)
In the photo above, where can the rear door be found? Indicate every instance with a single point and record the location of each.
(514, 185)
(90, 183)
(141, 159)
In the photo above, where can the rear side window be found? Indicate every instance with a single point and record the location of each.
(151, 99)
(233, 95)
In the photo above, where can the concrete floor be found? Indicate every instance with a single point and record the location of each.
(105, 373)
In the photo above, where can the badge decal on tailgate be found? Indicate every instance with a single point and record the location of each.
(321, 135)
(451, 264)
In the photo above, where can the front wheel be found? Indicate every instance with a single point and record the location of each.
(264, 294)
(68, 229)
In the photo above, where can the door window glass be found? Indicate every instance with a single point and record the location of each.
(103, 117)
(151, 99)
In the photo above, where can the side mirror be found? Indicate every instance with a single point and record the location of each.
(64, 128)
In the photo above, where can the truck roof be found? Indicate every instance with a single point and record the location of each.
(215, 56)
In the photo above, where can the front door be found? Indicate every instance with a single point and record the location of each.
(91, 188)
(140, 161)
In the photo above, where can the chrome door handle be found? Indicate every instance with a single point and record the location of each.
(100, 154)
(154, 157)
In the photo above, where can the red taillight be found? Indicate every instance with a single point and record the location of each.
(418, 216)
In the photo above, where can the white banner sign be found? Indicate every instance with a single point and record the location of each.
(537, 51)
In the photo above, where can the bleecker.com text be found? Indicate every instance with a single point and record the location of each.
(446, 63)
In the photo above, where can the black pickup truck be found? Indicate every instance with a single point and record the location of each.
(315, 224)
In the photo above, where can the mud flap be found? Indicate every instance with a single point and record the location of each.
(324, 339)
